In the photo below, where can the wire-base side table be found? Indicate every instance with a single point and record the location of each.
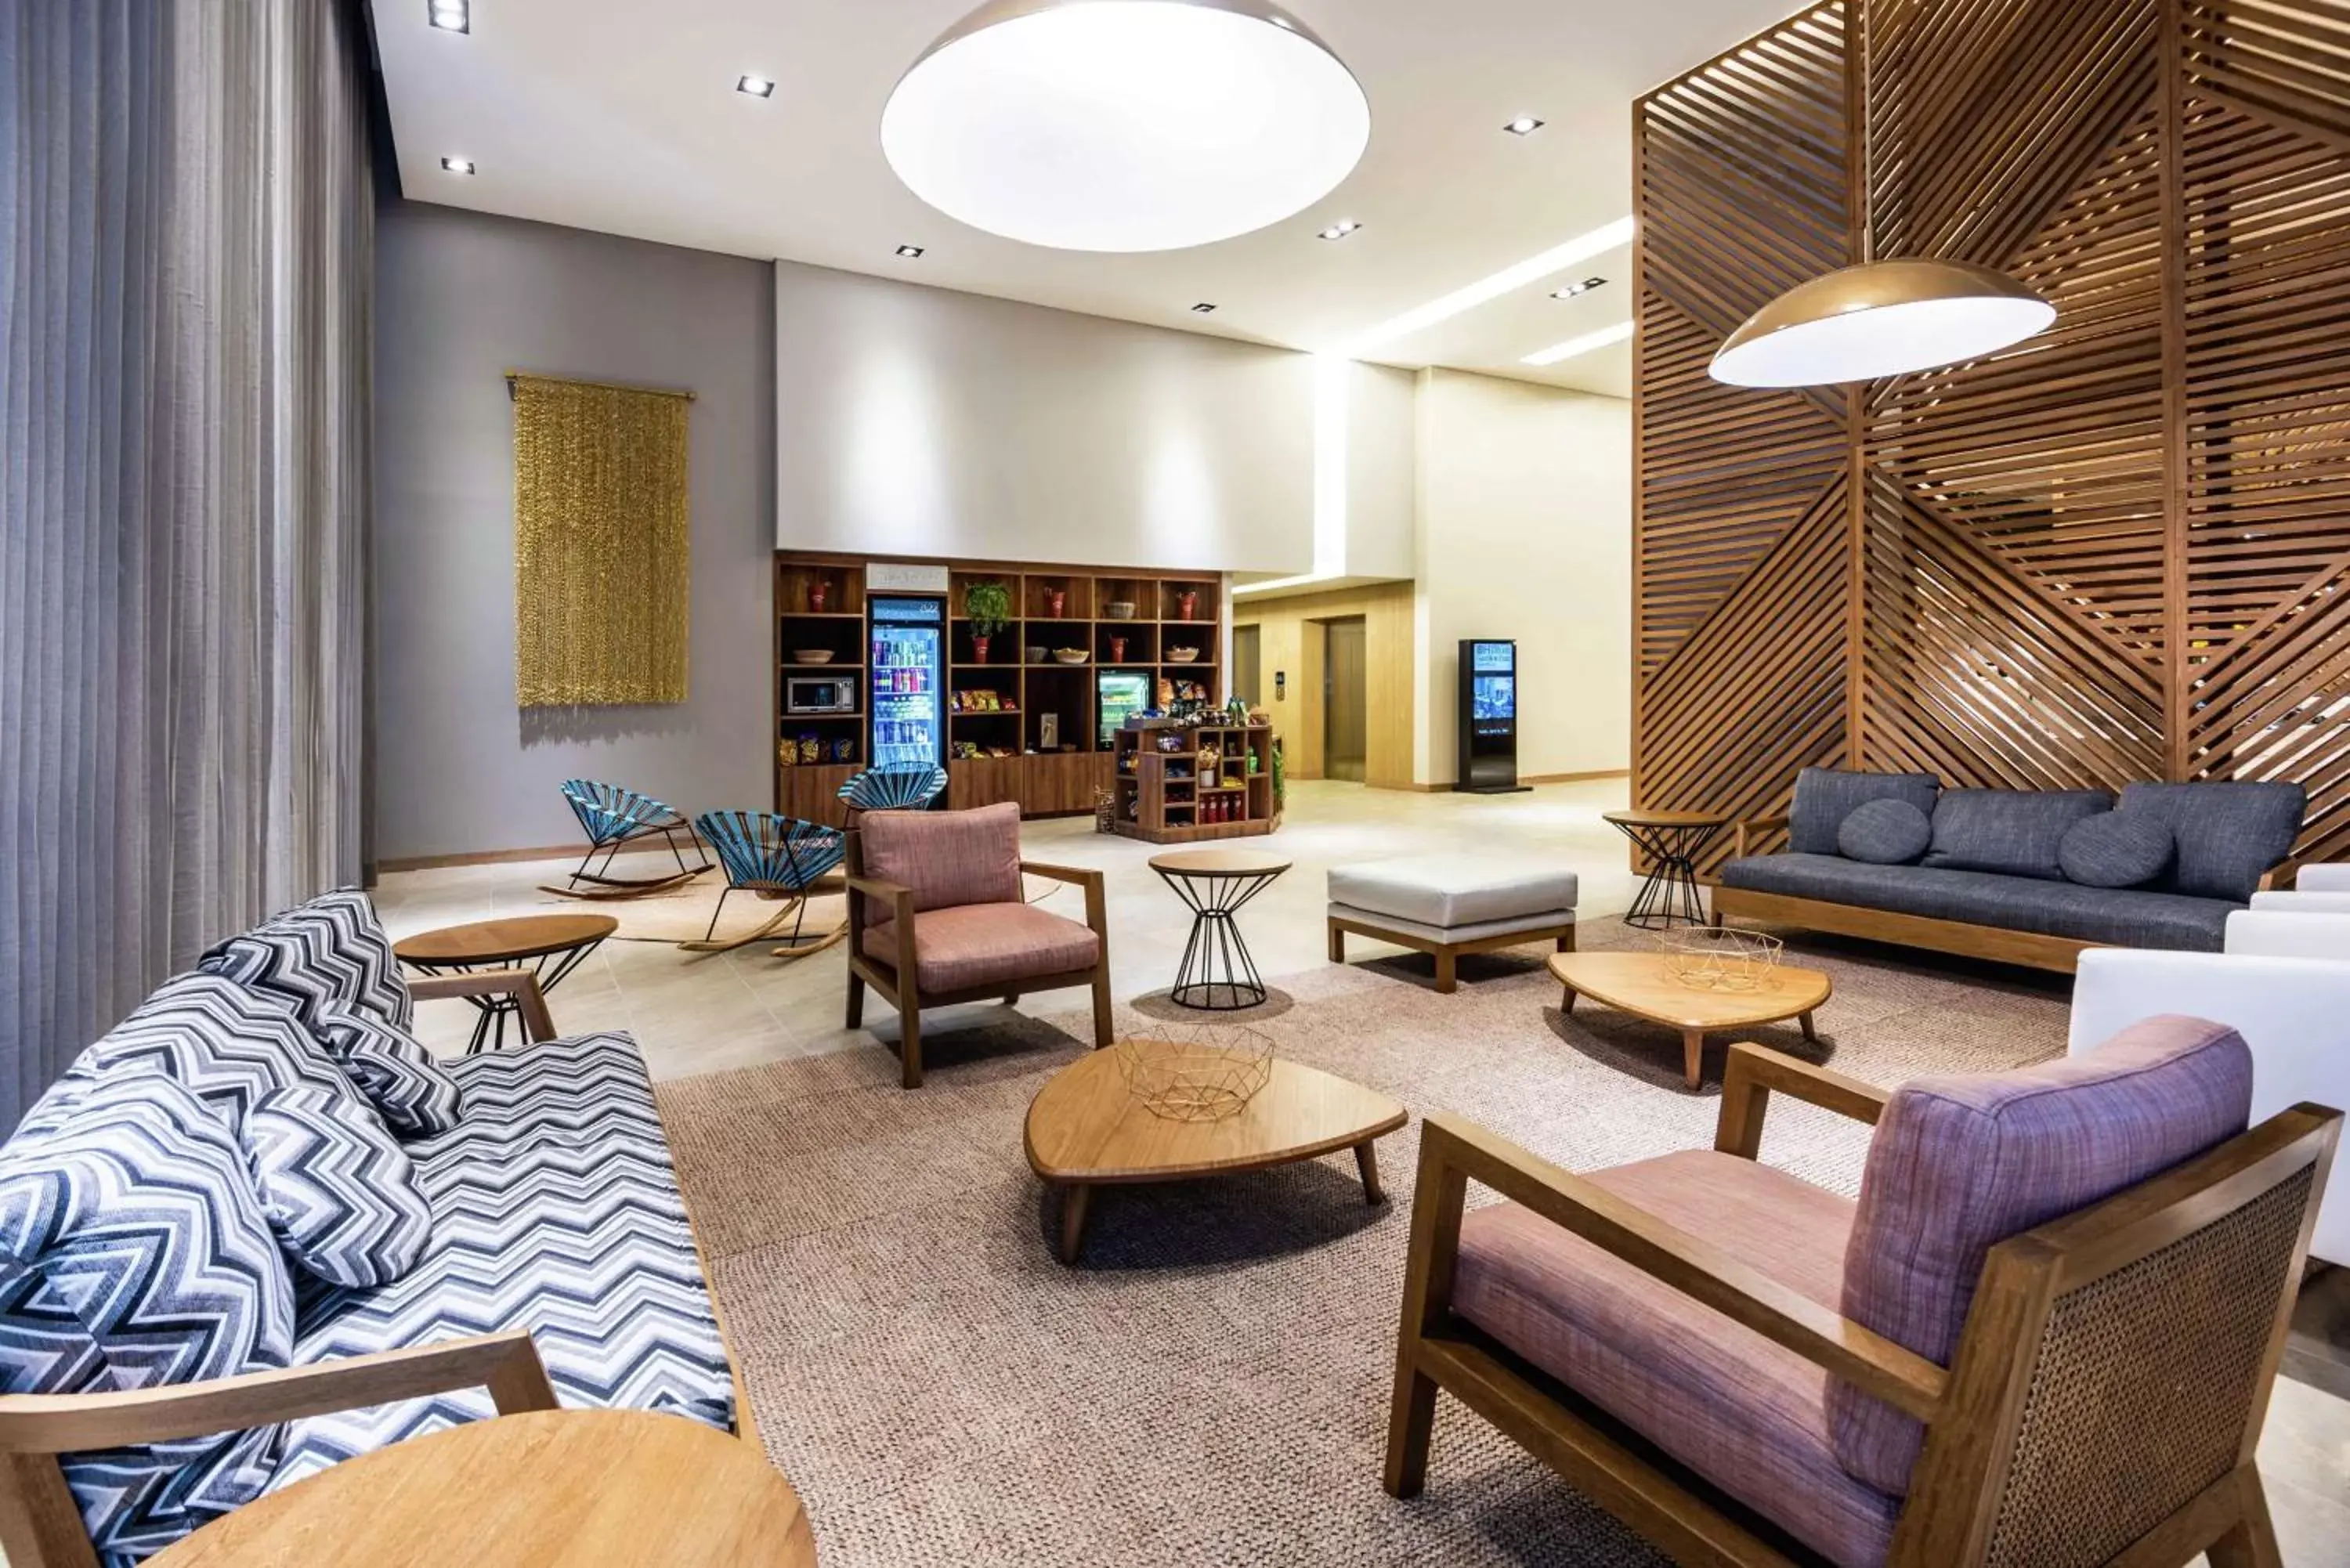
(1672, 840)
(1217, 975)
(552, 946)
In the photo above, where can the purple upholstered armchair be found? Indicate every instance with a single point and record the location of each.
(935, 902)
(2043, 1336)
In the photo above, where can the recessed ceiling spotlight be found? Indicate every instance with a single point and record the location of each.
(457, 165)
(911, 253)
(1340, 230)
(450, 15)
(1572, 289)
(755, 87)
(1524, 125)
(1204, 309)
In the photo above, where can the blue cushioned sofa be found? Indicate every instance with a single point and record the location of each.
(558, 1265)
(1989, 878)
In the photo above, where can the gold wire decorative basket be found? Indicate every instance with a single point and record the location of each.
(1196, 1074)
(1723, 960)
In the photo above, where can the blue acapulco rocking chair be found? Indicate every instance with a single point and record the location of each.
(612, 817)
(779, 857)
(895, 786)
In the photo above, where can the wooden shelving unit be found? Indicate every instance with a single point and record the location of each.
(1053, 607)
(1216, 784)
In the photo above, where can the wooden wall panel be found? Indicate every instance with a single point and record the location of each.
(2119, 551)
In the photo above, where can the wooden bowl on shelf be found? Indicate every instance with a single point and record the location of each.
(1181, 655)
(1118, 610)
(811, 656)
(1071, 655)
(1033, 655)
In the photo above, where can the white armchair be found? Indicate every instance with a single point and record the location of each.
(2323, 879)
(2284, 983)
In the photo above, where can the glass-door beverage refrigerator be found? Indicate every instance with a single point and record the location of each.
(909, 671)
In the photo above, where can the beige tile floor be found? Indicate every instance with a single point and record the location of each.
(710, 1015)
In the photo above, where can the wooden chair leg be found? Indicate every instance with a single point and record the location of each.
(1101, 1008)
(2250, 1542)
(856, 1000)
(1447, 978)
(909, 1041)
(1411, 1422)
(1337, 945)
(1566, 941)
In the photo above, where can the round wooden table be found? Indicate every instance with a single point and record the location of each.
(1642, 984)
(1086, 1127)
(1672, 840)
(1215, 882)
(582, 1488)
(552, 945)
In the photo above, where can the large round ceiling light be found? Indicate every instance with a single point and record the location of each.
(1880, 319)
(1125, 125)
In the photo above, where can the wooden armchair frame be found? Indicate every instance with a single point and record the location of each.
(909, 999)
(1992, 1442)
(1997, 943)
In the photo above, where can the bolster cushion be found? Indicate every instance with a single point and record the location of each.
(1884, 831)
(2114, 850)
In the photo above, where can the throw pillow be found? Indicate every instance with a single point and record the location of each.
(134, 1252)
(415, 1095)
(331, 951)
(2115, 849)
(226, 1045)
(338, 1192)
(1884, 831)
(1825, 797)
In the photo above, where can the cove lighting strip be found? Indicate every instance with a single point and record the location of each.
(1509, 280)
(1330, 391)
(1557, 352)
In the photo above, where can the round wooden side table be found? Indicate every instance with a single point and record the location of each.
(1672, 840)
(1217, 975)
(552, 945)
(582, 1488)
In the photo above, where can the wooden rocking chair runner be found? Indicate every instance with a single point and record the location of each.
(613, 817)
(2102, 1406)
(774, 856)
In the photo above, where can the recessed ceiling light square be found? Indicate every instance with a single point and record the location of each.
(457, 165)
(910, 252)
(1204, 309)
(755, 87)
(1340, 230)
(1572, 289)
(450, 15)
(1524, 125)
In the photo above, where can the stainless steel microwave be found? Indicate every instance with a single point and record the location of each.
(819, 694)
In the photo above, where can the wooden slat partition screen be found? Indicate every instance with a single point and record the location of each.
(2119, 551)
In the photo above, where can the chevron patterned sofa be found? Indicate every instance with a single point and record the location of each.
(218, 1205)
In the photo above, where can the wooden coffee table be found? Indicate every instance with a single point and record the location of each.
(583, 1489)
(552, 945)
(1643, 985)
(1086, 1128)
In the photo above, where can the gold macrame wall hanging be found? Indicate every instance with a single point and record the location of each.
(602, 566)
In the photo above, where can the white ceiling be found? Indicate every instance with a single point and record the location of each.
(621, 115)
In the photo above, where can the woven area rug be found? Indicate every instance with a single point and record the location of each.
(1210, 1384)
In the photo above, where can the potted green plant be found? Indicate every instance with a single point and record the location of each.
(988, 605)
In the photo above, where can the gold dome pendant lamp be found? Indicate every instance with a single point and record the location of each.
(1125, 125)
(1880, 319)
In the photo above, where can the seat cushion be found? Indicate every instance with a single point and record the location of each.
(1445, 891)
(947, 857)
(338, 1192)
(330, 950)
(2115, 849)
(556, 1210)
(2227, 832)
(415, 1095)
(2125, 917)
(1885, 833)
(1959, 1164)
(987, 944)
(1745, 1413)
(134, 1252)
(2013, 831)
(1825, 797)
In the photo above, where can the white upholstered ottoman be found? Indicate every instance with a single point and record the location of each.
(1450, 905)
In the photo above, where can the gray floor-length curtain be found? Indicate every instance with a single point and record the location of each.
(186, 235)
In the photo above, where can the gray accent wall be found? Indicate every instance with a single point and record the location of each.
(462, 297)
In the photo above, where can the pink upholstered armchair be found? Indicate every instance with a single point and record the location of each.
(935, 901)
(2043, 1336)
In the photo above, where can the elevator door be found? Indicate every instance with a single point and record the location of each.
(1246, 671)
(1344, 722)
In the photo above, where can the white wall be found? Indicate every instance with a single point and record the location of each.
(918, 421)
(1526, 532)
